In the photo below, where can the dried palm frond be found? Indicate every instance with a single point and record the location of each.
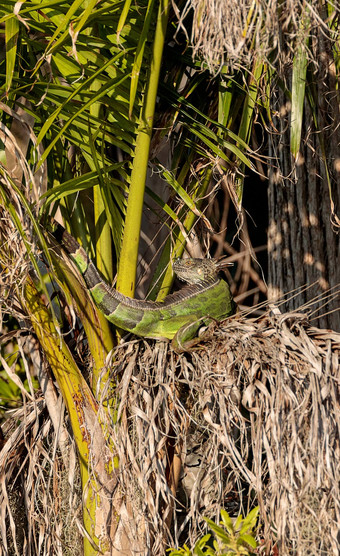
(231, 33)
(40, 498)
(253, 417)
(250, 417)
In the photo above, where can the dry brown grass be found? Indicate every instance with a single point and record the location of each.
(39, 496)
(253, 416)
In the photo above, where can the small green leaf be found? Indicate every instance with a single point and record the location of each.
(300, 64)
(250, 520)
(11, 39)
(249, 539)
(66, 65)
(123, 17)
(203, 541)
(238, 522)
(219, 532)
(227, 521)
(185, 551)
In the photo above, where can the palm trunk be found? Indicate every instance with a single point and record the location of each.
(303, 242)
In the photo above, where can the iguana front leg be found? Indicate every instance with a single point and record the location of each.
(188, 335)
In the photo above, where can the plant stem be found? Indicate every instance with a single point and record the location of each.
(129, 254)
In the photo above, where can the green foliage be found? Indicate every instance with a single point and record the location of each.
(87, 74)
(299, 73)
(14, 383)
(232, 538)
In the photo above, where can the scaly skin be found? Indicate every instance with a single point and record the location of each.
(206, 298)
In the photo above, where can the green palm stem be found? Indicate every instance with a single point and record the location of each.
(129, 254)
(81, 405)
(96, 326)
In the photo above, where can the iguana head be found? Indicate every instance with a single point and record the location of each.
(194, 271)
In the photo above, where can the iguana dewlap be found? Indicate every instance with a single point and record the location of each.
(180, 314)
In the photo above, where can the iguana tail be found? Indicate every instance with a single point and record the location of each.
(106, 298)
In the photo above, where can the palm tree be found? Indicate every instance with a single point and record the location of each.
(80, 97)
(94, 94)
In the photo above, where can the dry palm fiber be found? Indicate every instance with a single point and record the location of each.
(254, 417)
(229, 34)
(40, 497)
(255, 413)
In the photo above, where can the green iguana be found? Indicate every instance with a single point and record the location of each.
(179, 316)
